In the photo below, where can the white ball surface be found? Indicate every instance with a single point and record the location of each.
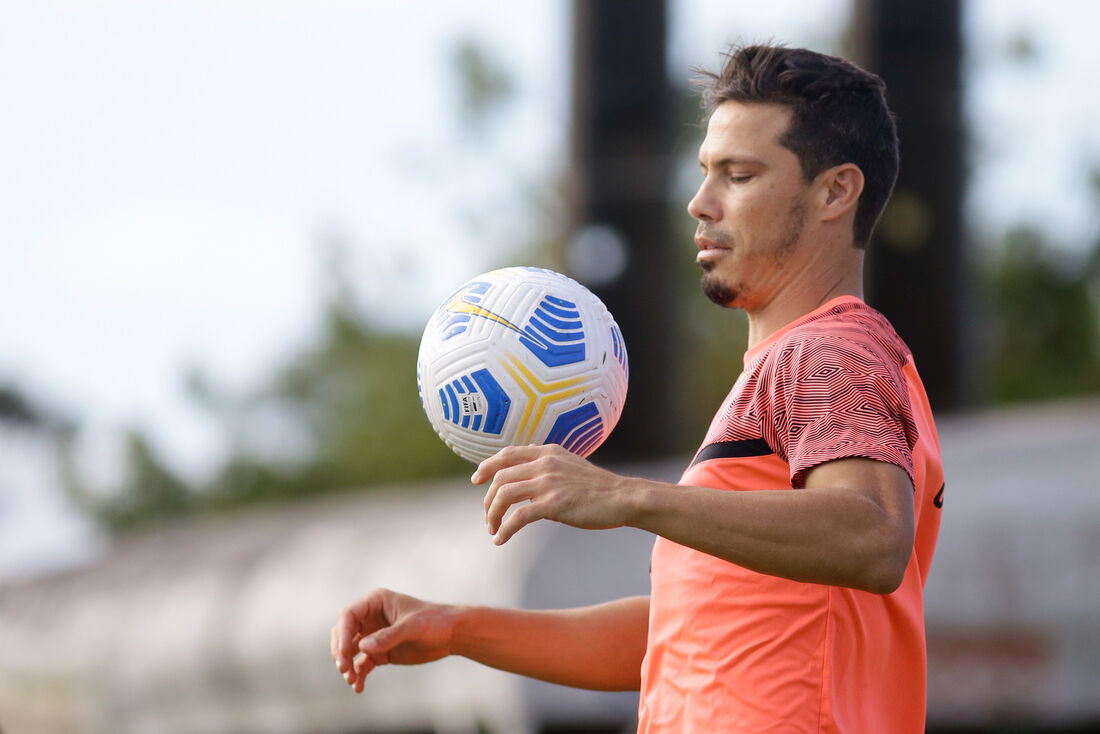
(522, 356)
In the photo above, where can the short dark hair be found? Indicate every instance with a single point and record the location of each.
(839, 115)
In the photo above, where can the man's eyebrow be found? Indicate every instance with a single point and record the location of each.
(732, 161)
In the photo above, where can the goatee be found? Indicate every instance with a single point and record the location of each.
(716, 289)
(713, 288)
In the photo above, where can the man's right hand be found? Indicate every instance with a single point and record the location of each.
(389, 628)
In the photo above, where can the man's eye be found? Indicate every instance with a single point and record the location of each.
(740, 179)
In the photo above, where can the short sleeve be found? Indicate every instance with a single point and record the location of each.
(835, 397)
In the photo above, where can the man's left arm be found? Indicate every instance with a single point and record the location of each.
(851, 525)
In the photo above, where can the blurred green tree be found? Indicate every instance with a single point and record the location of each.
(1047, 335)
(17, 408)
(342, 414)
(482, 83)
(352, 403)
(150, 493)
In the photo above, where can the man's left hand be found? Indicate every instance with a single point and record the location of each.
(555, 485)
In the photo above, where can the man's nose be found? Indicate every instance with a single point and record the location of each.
(703, 206)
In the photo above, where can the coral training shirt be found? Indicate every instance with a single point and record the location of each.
(732, 650)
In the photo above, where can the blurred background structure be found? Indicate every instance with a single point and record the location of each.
(223, 225)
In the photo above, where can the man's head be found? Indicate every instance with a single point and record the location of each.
(838, 115)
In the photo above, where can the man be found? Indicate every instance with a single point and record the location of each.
(789, 564)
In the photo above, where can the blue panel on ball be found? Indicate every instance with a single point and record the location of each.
(553, 302)
(454, 403)
(618, 348)
(577, 429)
(483, 407)
(554, 333)
(453, 327)
(454, 316)
(558, 335)
(557, 323)
(588, 442)
(446, 404)
(496, 400)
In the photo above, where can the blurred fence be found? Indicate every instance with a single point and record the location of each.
(222, 625)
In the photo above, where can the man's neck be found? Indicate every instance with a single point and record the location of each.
(799, 299)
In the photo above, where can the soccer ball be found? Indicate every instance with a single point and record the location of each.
(522, 356)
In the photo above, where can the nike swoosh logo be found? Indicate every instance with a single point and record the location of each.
(460, 305)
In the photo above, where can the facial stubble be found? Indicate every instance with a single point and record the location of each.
(730, 294)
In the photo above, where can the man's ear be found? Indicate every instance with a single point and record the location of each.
(841, 187)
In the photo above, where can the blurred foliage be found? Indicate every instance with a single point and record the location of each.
(17, 408)
(482, 83)
(352, 402)
(152, 492)
(349, 414)
(1044, 301)
(24, 410)
(1047, 330)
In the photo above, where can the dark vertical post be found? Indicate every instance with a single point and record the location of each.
(621, 157)
(917, 267)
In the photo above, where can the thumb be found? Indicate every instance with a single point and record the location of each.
(384, 640)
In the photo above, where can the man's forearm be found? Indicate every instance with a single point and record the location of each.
(851, 525)
(829, 534)
(599, 647)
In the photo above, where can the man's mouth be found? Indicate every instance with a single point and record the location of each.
(709, 251)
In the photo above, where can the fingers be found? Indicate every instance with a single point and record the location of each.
(362, 667)
(339, 640)
(345, 635)
(377, 646)
(508, 456)
(354, 668)
(522, 516)
(356, 675)
(519, 474)
(528, 483)
(509, 487)
(334, 650)
(357, 666)
(507, 466)
(360, 618)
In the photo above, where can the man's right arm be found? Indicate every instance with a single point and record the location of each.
(598, 647)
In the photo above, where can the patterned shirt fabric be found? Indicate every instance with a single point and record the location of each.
(732, 650)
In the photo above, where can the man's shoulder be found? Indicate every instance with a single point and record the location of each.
(850, 328)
